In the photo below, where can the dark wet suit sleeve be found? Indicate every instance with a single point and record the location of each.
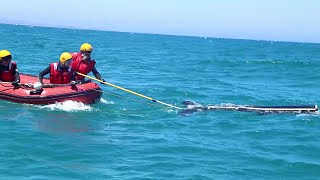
(94, 70)
(96, 73)
(17, 77)
(73, 76)
(43, 73)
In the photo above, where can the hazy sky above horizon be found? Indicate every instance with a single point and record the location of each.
(285, 20)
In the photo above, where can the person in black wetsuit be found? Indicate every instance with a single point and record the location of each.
(8, 69)
(60, 72)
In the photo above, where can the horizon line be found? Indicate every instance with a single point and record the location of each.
(181, 35)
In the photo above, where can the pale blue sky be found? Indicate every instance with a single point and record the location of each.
(283, 20)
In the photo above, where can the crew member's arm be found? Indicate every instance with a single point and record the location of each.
(97, 74)
(16, 81)
(73, 76)
(16, 76)
(43, 73)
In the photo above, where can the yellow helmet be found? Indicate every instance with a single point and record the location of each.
(65, 57)
(4, 53)
(86, 47)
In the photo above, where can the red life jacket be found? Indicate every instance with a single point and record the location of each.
(9, 76)
(81, 66)
(59, 77)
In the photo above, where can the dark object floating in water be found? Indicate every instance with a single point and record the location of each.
(303, 109)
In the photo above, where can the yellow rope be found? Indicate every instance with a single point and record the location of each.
(117, 95)
(129, 91)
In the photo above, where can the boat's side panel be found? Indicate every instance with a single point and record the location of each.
(87, 93)
(89, 97)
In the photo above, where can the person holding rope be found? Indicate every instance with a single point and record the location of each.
(84, 64)
(8, 69)
(60, 72)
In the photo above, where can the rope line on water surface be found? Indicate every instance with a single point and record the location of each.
(117, 95)
(129, 91)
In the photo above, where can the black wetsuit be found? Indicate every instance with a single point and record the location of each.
(47, 71)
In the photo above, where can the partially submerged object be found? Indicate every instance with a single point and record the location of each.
(195, 107)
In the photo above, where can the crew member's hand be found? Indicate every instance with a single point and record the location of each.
(102, 81)
(15, 84)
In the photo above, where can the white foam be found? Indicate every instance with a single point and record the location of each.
(195, 105)
(104, 101)
(314, 114)
(229, 104)
(69, 106)
(171, 110)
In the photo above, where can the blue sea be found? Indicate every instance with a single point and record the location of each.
(128, 137)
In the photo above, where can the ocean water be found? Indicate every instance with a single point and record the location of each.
(127, 137)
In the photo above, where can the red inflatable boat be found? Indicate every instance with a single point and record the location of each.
(87, 93)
